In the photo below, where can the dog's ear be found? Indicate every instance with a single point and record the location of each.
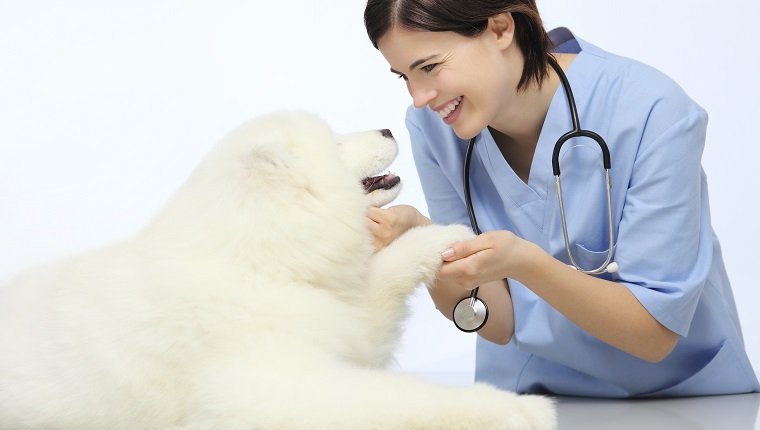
(270, 157)
(273, 164)
(268, 149)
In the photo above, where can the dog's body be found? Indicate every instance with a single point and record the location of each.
(252, 301)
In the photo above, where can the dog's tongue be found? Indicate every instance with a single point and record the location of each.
(386, 181)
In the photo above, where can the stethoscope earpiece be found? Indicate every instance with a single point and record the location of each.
(612, 267)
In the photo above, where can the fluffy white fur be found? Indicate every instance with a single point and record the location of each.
(252, 301)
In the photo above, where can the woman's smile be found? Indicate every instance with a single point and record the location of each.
(450, 111)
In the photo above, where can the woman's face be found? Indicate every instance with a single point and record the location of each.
(467, 81)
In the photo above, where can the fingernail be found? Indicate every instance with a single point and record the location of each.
(447, 253)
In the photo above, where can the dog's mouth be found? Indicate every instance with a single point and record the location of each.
(384, 182)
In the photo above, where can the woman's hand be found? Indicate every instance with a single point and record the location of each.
(484, 262)
(491, 256)
(388, 224)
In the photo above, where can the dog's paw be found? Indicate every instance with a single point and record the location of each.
(416, 255)
(499, 409)
(434, 239)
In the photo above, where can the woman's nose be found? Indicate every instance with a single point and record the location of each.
(421, 96)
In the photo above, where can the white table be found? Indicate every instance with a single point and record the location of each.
(735, 412)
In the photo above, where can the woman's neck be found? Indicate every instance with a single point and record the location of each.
(517, 131)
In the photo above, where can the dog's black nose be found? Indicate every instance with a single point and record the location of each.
(386, 133)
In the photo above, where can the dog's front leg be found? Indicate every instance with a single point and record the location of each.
(396, 271)
(297, 390)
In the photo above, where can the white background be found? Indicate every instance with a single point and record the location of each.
(105, 107)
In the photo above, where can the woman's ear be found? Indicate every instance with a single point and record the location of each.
(502, 28)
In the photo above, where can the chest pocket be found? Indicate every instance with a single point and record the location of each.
(589, 260)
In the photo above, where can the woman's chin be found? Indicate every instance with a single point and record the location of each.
(465, 133)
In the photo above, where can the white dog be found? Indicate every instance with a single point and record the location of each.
(252, 301)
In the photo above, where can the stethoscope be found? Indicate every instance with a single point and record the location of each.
(471, 313)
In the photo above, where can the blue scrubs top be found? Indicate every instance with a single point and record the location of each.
(668, 254)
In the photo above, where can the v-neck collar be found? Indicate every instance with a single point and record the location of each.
(531, 196)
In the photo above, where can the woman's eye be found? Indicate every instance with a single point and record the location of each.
(428, 67)
(400, 76)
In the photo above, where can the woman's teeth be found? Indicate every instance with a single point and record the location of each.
(446, 111)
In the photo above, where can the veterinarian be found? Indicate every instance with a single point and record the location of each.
(661, 320)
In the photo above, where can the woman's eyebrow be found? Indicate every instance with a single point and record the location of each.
(415, 64)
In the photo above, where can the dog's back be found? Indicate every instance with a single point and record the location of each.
(73, 347)
(116, 335)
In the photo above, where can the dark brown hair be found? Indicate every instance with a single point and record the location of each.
(468, 18)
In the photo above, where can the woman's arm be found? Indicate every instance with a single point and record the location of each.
(388, 224)
(607, 310)
(500, 325)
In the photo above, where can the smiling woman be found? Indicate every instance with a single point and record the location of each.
(655, 327)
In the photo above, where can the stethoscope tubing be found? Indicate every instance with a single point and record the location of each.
(577, 131)
(476, 303)
(608, 260)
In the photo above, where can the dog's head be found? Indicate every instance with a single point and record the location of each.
(296, 153)
(368, 155)
(286, 184)
(293, 161)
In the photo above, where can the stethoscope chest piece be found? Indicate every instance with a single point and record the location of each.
(470, 313)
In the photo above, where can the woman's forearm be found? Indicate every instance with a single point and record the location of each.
(499, 327)
(607, 310)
